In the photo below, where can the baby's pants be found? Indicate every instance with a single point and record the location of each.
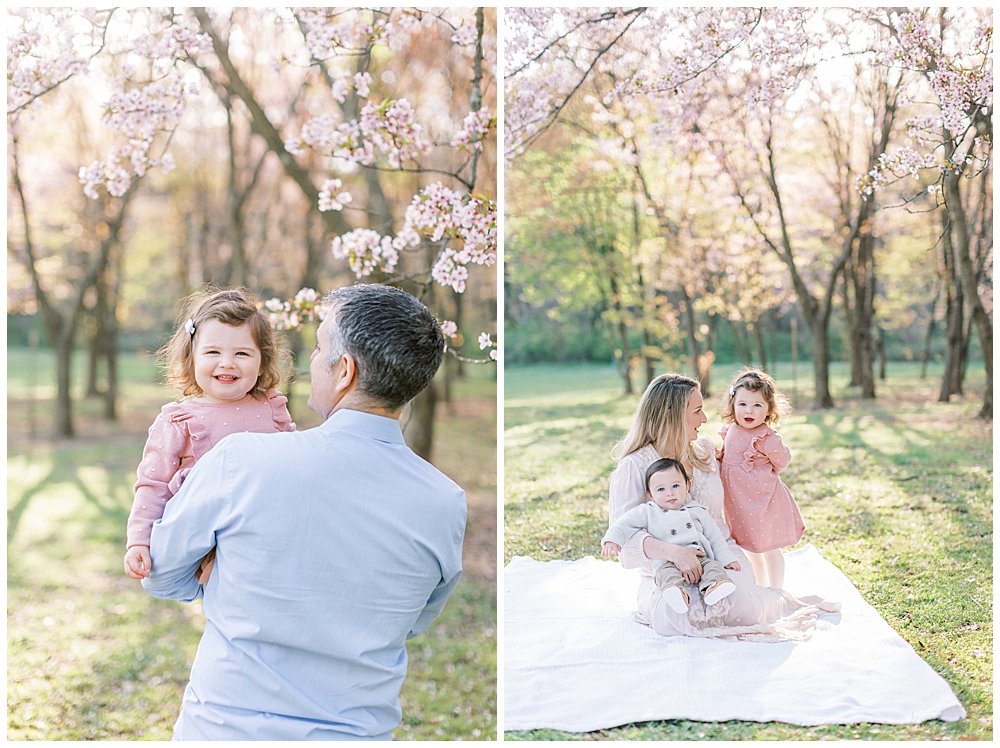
(669, 575)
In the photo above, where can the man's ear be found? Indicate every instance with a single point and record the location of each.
(346, 375)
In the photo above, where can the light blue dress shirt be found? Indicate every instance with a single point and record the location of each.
(334, 546)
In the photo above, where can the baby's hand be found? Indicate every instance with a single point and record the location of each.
(611, 550)
(137, 562)
(735, 566)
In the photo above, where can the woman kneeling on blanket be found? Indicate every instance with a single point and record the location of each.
(666, 425)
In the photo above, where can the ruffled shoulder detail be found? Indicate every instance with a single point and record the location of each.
(279, 410)
(181, 414)
(752, 451)
(176, 412)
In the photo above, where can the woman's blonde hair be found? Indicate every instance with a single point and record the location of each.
(233, 307)
(761, 382)
(660, 421)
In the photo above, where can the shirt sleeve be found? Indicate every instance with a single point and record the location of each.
(634, 520)
(627, 491)
(186, 532)
(772, 447)
(435, 604)
(161, 458)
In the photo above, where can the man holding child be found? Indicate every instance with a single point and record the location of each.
(333, 545)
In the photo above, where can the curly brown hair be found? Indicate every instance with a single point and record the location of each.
(761, 382)
(235, 307)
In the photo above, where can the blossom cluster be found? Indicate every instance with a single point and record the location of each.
(442, 211)
(139, 114)
(963, 85)
(181, 39)
(46, 46)
(367, 250)
(326, 199)
(390, 129)
(290, 315)
(466, 34)
(904, 162)
(550, 50)
(486, 342)
(475, 127)
(332, 31)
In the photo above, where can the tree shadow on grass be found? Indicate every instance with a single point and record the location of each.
(66, 470)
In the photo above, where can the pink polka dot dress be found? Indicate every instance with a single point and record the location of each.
(759, 508)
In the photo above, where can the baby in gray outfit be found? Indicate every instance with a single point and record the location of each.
(668, 515)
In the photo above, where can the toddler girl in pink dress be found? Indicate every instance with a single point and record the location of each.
(225, 361)
(759, 508)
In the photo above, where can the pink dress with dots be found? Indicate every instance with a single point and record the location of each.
(180, 436)
(759, 508)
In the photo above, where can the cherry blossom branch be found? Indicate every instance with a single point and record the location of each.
(606, 16)
(553, 116)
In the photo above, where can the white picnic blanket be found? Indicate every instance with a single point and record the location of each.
(575, 660)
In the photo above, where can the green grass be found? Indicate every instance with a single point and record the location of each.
(896, 493)
(91, 656)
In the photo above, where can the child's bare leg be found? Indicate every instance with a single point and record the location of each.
(760, 571)
(775, 563)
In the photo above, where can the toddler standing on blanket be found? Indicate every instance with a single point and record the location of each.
(668, 515)
(759, 509)
(225, 360)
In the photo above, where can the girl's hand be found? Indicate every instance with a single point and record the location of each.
(138, 562)
(611, 550)
(685, 559)
(735, 566)
(719, 452)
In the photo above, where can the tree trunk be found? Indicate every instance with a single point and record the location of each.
(956, 212)
(821, 361)
(694, 348)
(880, 352)
(624, 367)
(951, 380)
(930, 333)
(707, 359)
(419, 430)
(865, 310)
(742, 345)
(850, 334)
(758, 334)
(94, 353)
(61, 325)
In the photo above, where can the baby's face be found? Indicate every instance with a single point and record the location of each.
(750, 408)
(668, 489)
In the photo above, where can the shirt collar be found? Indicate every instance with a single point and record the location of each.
(376, 427)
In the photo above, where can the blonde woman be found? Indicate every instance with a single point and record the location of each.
(666, 425)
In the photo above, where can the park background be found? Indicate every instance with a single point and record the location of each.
(285, 131)
(802, 190)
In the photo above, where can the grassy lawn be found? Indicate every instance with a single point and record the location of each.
(91, 656)
(897, 493)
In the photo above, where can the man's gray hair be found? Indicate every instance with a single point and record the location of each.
(395, 342)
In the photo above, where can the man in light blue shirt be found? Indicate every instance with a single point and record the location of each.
(334, 545)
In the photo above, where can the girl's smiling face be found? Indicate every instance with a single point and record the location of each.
(749, 408)
(226, 361)
(668, 489)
